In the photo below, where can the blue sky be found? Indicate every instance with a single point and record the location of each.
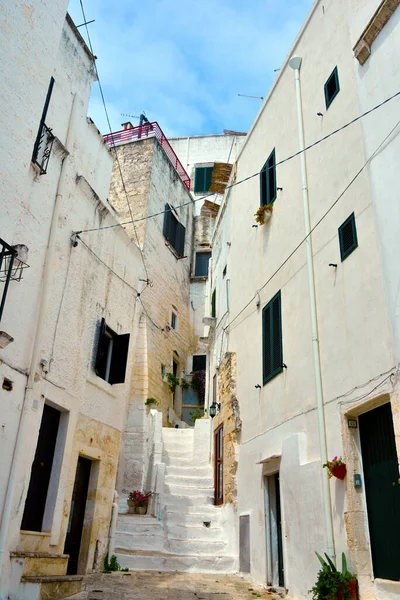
(184, 62)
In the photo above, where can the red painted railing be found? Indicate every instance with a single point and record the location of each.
(144, 131)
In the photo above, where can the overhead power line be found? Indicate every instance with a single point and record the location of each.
(115, 150)
(313, 228)
(281, 162)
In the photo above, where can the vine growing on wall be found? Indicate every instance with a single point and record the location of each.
(199, 385)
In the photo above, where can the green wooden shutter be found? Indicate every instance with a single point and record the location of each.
(331, 87)
(271, 178)
(272, 338)
(213, 304)
(348, 237)
(179, 244)
(167, 222)
(202, 179)
(263, 185)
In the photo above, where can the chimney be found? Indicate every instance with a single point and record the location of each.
(127, 125)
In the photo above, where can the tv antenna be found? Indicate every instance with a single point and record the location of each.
(247, 96)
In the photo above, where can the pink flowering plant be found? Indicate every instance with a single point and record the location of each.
(140, 499)
(331, 464)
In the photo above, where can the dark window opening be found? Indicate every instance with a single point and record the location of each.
(201, 266)
(173, 321)
(272, 339)
(268, 181)
(331, 87)
(112, 355)
(348, 237)
(44, 138)
(202, 179)
(199, 362)
(174, 231)
(214, 304)
(42, 465)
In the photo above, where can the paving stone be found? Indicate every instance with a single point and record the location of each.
(153, 585)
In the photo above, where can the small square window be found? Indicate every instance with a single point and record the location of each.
(174, 321)
(348, 237)
(163, 371)
(201, 266)
(111, 355)
(199, 362)
(202, 179)
(331, 87)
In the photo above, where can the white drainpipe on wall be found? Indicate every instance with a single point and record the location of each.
(35, 357)
(295, 64)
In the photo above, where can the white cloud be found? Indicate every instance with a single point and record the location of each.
(185, 62)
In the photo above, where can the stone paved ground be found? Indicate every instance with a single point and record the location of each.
(152, 585)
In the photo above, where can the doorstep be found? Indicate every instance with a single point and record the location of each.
(384, 589)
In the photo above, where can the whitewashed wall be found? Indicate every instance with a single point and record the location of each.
(355, 341)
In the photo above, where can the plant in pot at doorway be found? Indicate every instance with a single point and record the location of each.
(143, 503)
(333, 584)
(133, 501)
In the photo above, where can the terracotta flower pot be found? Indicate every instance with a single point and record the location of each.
(339, 471)
(353, 588)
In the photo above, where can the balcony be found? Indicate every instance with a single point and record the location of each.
(144, 131)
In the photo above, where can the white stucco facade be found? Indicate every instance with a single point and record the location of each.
(54, 312)
(355, 329)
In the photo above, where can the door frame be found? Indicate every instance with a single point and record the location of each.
(356, 497)
(218, 459)
(273, 573)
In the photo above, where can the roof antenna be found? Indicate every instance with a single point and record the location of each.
(247, 96)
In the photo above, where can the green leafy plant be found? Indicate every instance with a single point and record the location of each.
(151, 402)
(260, 214)
(111, 565)
(198, 413)
(172, 381)
(332, 584)
(185, 385)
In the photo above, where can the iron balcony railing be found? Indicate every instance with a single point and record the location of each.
(144, 131)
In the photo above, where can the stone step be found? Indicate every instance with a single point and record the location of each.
(196, 547)
(194, 532)
(42, 563)
(54, 587)
(173, 433)
(189, 471)
(162, 561)
(186, 491)
(173, 502)
(177, 461)
(175, 456)
(189, 482)
(139, 524)
(140, 541)
(196, 519)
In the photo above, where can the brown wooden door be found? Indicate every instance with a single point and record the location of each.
(219, 465)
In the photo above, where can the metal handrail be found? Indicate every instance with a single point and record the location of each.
(144, 131)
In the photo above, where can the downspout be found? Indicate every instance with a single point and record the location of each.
(295, 64)
(35, 356)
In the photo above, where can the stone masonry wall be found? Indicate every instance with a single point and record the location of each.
(229, 416)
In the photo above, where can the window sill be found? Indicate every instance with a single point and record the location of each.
(199, 278)
(270, 377)
(98, 382)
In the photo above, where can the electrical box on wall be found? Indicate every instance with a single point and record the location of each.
(357, 480)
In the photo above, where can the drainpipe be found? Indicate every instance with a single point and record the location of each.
(295, 64)
(36, 350)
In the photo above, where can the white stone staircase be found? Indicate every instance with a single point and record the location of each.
(190, 535)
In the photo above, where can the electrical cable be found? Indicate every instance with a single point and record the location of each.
(281, 162)
(115, 150)
(107, 266)
(149, 317)
(313, 228)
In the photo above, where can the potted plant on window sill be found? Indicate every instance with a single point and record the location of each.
(263, 214)
(336, 468)
(332, 584)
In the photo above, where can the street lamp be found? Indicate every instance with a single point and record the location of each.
(214, 408)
